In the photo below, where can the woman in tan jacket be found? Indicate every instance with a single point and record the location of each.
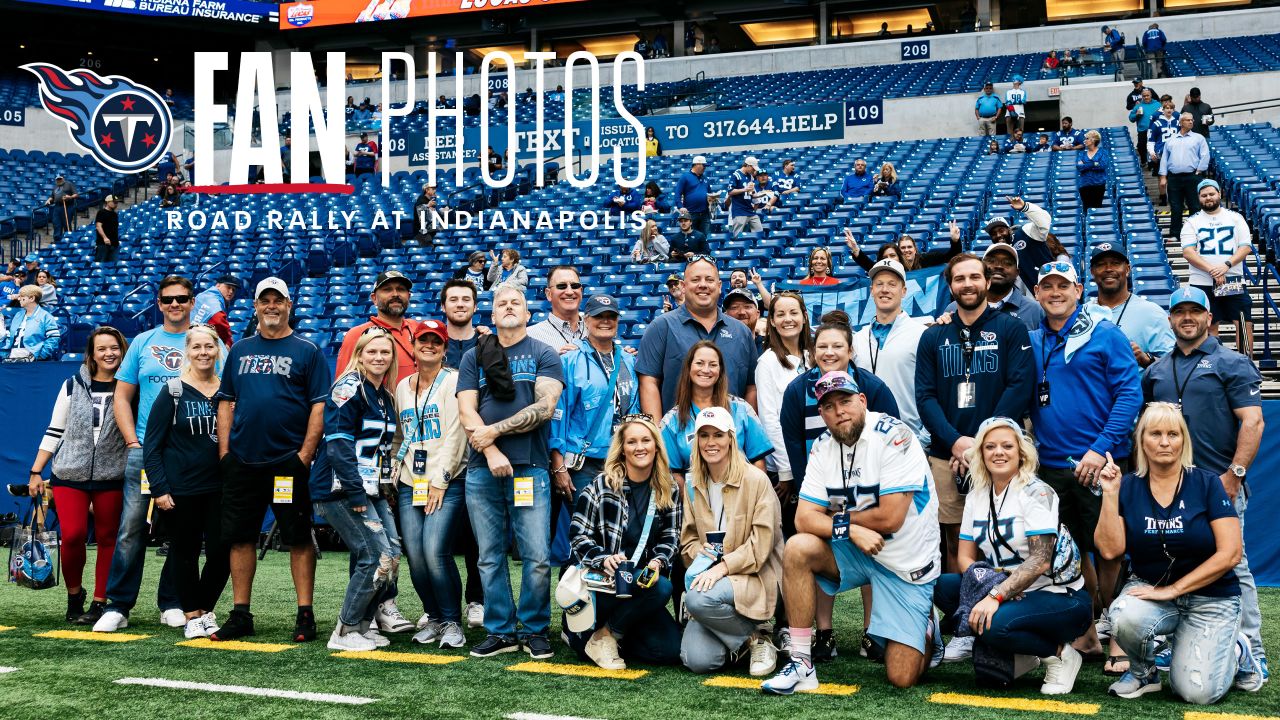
(731, 539)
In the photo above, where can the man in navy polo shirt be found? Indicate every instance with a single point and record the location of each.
(691, 194)
(671, 334)
(1220, 392)
(987, 110)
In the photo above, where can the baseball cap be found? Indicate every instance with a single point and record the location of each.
(110, 198)
(1060, 268)
(271, 283)
(1106, 248)
(835, 381)
(1208, 182)
(477, 255)
(390, 275)
(59, 176)
(673, 278)
(735, 294)
(231, 280)
(1188, 294)
(432, 327)
(1017, 78)
(1001, 247)
(998, 222)
(601, 304)
(1137, 81)
(699, 160)
(751, 161)
(716, 417)
(574, 599)
(31, 257)
(887, 265)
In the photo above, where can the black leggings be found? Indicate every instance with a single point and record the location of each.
(195, 519)
(1091, 195)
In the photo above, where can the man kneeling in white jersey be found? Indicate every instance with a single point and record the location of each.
(887, 538)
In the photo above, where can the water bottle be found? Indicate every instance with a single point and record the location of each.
(1095, 487)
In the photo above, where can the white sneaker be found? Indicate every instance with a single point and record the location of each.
(1103, 627)
(796, 675)
(1060, 672)
(764, 657)
(390, 619)
(199, 627)
(352, 641)
(603, 651)
(377, 638)
(111, 621)
(422, 622)
(475, 615)
(428, 634)
(959, 649)
(174, 618)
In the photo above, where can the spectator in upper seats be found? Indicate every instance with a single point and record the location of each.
(987, 110)
(366, 158)
(742, 187)
(884, 30)
(494, 159)
(1042, 144)
(788, 182)
(1142, 115)
(740, 303)
(48, 288)
(651, 202)
(909, 32)
(1163, 127)
(1142, 321)
(1049, 68)
(1069, 138)
(993, 147)
(641, 47)
(929, 29)
(912, 259)
(1153, 43)
(1003, 294)
(1014, 143)
(1200, 111)
(1135, 95)
(660, 47)
(820, 268)
(474, 271)
(713, 46)
(1015, 106)
(859, 183)
(652, 148)
(508, 272)
(563, 328)
(688, 242)
(765, 198)
(624, 200)
(424, 210)
(170, 99)
(968, 17)
(691, 194)
(33, 332)
(1093, 166)
(651, 246)
(106, 240)
(887, 183)
(62, 203)
(1113, 42)
(286, 158)
(212, 304)
(1184, 161)
(1031, 239)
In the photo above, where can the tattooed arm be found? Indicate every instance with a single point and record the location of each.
(1033, 567)
(546, 393)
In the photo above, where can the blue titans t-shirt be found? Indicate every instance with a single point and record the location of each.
(529, 360)
(274, 383)
(153, 358)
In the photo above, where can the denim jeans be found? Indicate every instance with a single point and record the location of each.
(131, 548)
(645, 631)
(376, 560)
(428, 545)
(1204, 640)
(1250, 614)
(389, 519)
(562, 512)
(491, 504)
(1035, 625)
(715, 628)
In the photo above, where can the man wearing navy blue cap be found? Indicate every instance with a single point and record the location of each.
(1142, 321)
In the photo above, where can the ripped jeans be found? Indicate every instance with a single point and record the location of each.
(1203, 632)
(377, 560)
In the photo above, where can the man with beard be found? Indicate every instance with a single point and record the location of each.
(563, 327)
(391, 297)
(741, 304)
(1001, 261)
(1216, 241)
(977, 366)
(1142, 321)
(1220, 392)
(508, 387)
(1030, 239)
(867, 516)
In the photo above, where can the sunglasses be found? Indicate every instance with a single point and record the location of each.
(704, 258)
(637, 417)
(1058, 266)
(567, 286)
(375, 330)
(173, 299)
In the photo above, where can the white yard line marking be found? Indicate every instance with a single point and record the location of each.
(537, 716)
(4, 670)
(245, 690)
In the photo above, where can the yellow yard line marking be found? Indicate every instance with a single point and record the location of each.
(1003, 703)
(3, 628)
(742, 683)
(237, 645)
(400, 657)
(590, 671)
(90, 635)
(1196, 715)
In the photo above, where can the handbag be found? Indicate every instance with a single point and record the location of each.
(30, 563)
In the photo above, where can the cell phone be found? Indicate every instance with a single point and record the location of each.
(647, 578)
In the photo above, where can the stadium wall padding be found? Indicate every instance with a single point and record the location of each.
(29, 391)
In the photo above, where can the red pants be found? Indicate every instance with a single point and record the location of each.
(73, 516)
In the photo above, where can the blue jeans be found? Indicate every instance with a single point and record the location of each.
(428, 544)
(1035, 625)
(131, 548)
(1204, 640)
(1250, 614)
(376, 560)
(645, 631)
(385, 513)
(715, 628)
(491, 504)
(562, 512)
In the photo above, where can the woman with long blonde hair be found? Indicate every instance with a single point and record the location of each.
(887, 181)
(628, 520)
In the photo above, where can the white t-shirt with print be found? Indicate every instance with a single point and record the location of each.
(1020, 513)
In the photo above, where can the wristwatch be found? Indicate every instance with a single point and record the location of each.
(1238, 470)
(995, 595)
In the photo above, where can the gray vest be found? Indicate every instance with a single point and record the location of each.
(78, 458)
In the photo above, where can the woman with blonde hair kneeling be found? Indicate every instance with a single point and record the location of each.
(1182, 535)
(731, 539)
(627, 522)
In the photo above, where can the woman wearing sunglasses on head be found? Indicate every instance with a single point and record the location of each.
(1182, 536)
(627, 520)
(354, 460)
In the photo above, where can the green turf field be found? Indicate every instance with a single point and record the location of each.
(73, 679)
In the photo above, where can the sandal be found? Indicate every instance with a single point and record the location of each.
(1109, 667)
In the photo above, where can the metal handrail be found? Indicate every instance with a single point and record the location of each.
(1264, 269)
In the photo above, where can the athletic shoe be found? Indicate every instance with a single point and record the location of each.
(870, 649)
(537, 647)
(111, 621)
(93, 614)
(389, 618)
(1103, 626)
(163, 550)
(239, 624)
(494, 645)
(1164, 657)
(1130, 686)
(824, 646)
(958, 650)
(1248, 673)
(603, 651)
(75, 605)
(475, 614)
(202, 626)
(1060, 672)
(174, 618)
(304, 627)
(764, 657)
(795, 675)
(379, 640)
(352, 641)
(428, 634)
(422, 622)
(451, 636)
(934, 636)
(1266, 669)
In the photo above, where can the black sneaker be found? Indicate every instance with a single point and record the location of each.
(870, 650)
(495, 645)
(239, 624)
(93, 614)
(824, 646)
(304, 628)
(163, 550)
(538, 647)
(75, 606)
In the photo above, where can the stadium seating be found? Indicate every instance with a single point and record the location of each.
(26, 179)
(1257, 53)
(1247, 162)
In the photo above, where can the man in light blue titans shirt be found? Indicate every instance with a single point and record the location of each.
(1141, 320)
(987, 110)
(1184, 160)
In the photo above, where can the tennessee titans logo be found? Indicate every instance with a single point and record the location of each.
(126, 126)
(170, 358)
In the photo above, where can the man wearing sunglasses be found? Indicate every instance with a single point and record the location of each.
(563, 328)
(391, 296)
(154, 357)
